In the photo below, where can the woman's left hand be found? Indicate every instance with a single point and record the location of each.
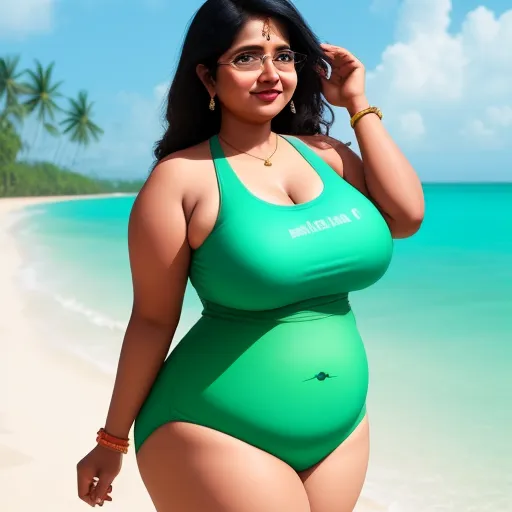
(346, 85)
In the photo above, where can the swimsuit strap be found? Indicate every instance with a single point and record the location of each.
(324, 170)
(225, 175)
(229, 184)
(238, 193)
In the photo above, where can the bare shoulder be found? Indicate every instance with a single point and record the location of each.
(335, 152)
(340, 157)
(157, 237)
(180, 169)
(176, 178)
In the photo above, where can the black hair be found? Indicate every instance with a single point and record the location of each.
(211, 33)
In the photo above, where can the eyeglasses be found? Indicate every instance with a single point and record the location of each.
(284, 60)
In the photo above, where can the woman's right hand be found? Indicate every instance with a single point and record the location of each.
(95, 473)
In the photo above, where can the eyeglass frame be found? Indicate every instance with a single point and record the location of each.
(263, 58)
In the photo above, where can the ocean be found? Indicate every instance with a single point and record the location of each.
(437, 328)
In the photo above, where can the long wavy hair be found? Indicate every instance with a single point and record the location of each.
(211, 33)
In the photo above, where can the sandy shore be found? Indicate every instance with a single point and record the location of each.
(53, 407)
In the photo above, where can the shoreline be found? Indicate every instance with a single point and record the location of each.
(55, 402)
(54, 405)
(22, 202)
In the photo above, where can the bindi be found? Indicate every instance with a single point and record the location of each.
(266, 29)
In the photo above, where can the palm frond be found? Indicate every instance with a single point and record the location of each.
(51, 129)
(42, 93)
(10, 84)
(78, 124)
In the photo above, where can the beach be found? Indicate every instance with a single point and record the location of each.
(439, 352)
(54, 404)
(49, 415)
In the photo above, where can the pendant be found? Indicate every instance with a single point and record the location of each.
(268, 163)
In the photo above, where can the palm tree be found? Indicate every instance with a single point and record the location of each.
(42, 95)
(12, 89)
(13, 112)
(78, 123)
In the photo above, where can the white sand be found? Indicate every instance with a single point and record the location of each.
(53, 407)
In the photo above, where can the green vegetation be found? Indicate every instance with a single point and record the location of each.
(32, 93)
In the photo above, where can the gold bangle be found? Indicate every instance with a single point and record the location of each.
(362, 113)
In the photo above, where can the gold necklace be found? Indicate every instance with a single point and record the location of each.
(266, 161)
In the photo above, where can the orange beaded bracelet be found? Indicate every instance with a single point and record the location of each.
(112, 442)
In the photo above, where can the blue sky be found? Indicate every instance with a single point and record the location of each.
(440, 70)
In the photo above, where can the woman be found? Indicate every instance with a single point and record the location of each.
(261, 407)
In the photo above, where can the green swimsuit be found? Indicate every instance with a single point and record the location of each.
(276, 359)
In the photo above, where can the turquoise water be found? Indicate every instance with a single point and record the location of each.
(438, 330)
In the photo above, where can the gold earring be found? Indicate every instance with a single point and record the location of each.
(292, 107)
(212, 104)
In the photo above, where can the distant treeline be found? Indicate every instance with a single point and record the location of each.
(20, 179)
(37, 97)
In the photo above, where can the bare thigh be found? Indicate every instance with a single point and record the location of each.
(190, 468)
(335, 483)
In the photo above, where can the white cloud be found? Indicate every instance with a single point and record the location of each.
(487, 131)
(459, 82)
(160, 91)
(427, 63)
(22, 17)
(412, 125)
(479, 135)
(500, 117)
(424, 17)
(476, 128)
